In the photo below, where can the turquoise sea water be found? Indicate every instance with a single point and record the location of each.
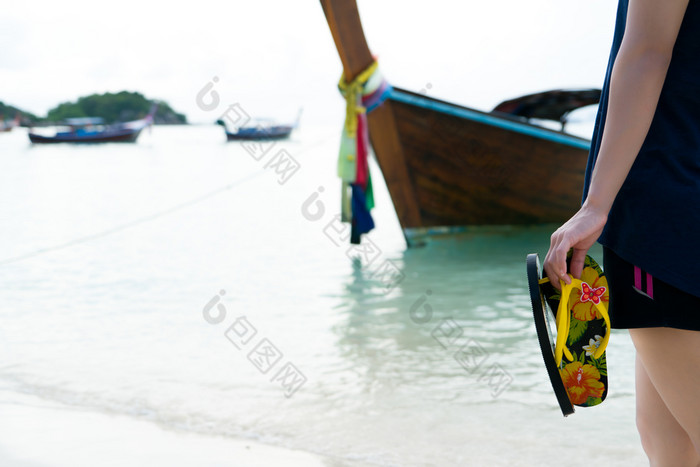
(183, 281)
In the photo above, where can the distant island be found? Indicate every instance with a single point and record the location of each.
(8, 112)
(120, 107)
(112, 107)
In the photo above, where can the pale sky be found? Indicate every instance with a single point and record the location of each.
(275, 56)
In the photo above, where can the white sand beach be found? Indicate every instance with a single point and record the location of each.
(39, 433)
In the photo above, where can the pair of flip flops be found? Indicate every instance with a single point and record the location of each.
(573, 329)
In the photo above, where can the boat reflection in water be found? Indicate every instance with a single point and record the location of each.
(454, 327)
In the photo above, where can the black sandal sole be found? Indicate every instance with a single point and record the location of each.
(540, 310)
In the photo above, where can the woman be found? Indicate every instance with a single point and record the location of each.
(642, 202)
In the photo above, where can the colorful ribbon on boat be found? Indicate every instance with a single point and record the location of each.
(363, 94)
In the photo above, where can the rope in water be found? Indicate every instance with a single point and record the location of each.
(134, 223)
(142, 220)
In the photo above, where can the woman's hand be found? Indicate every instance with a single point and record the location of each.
(580, 233)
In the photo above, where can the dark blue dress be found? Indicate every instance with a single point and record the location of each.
(654, 222)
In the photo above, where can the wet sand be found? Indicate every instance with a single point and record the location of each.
(39, 433)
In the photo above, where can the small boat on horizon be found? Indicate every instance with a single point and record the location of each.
(8, 125)
(448, 167)
(94, 130)
(260, 130)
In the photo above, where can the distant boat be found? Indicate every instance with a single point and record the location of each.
(6, 126)
(260, 130)
(448, 167)
(93, 130)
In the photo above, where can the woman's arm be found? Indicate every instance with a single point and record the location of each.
(635, 85)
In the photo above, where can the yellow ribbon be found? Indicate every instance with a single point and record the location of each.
(352, 92)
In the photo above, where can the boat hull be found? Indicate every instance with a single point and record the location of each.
(267, 134)
(124, 136)
(467, 167)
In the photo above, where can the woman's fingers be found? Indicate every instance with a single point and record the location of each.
(555, 261)
(580, 233)
(578, 257)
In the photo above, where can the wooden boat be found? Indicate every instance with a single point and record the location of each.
(93, 130)
(448, 167)
(260, 130)
(6, 126)
(256, 133)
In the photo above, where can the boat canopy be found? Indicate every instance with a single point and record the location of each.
(550, 105)
(85, 121)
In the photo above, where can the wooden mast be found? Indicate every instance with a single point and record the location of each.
(346, 28)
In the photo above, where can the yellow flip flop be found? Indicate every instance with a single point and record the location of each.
(573, 347)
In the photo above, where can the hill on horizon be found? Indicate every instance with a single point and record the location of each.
(8, 112)
(115, 107)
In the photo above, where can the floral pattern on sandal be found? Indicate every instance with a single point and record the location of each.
(585, 376)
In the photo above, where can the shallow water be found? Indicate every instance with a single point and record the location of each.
(110, 254)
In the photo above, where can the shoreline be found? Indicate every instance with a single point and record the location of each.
(35, 432)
